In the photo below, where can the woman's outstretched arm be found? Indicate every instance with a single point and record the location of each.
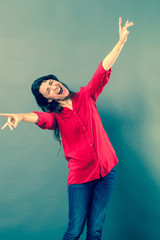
(109, 60)
(14, 119)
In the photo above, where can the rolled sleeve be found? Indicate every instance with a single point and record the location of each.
(98, 81)
(46, 120)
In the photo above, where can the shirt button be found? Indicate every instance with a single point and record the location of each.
(91, 145)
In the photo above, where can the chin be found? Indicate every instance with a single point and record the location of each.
(66, 96)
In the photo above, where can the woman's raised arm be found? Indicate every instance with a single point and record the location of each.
(109, 60)
(14, 119)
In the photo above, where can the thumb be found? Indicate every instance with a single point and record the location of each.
(127, 33)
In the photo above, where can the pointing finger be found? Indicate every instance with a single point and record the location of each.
(9, 124)
(5, 125)
(120, 23)
(10, 127)
(5, 114)
(125, 26)
(126, 22)
(128, 25)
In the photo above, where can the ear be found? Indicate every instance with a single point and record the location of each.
(49, 100)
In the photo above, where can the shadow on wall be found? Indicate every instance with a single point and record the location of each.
(135, 202)
(134, 211)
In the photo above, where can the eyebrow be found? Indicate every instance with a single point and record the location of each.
(46, 88)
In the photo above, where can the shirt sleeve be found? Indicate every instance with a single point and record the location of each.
(98, 81)
(46, 120)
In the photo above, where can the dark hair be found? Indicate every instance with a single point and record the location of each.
(43, 103)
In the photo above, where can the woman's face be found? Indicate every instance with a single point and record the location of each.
(53, 90)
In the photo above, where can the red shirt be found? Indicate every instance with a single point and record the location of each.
(86, 145)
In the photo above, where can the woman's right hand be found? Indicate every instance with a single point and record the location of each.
(13, 120)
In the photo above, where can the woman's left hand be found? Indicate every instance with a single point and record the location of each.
(123, 32)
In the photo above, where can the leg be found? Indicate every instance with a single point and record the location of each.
(79, 201)
(101, 196)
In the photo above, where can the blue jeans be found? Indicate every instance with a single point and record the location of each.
(88, 203)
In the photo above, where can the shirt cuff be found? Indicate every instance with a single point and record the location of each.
(108, 72)
(40, 117)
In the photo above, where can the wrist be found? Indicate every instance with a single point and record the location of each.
(121, 43)
(21, 116)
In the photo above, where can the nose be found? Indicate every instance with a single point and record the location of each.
(55, 88)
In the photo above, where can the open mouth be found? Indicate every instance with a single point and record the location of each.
(60, 91)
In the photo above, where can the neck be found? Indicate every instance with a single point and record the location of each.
(66, 103)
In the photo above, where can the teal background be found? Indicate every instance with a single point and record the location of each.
(69, 38)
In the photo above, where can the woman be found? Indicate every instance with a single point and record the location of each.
(91, 157)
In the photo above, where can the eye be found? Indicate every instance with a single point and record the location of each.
(50, 83)
(48, 90)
